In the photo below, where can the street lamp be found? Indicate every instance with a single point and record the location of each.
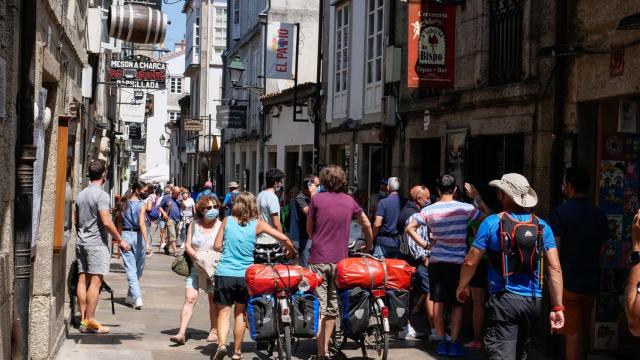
(164, 141)
(631, 22)
(236, 68)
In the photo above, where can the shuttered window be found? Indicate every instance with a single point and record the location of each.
(505, 41)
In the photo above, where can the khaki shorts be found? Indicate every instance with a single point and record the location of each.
(173, 230)
(327, 291)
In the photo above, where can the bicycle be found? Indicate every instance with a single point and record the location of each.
(374, 340)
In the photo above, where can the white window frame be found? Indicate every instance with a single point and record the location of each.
(175, 84)
(374, 56)
(174, 115)
(341, 49)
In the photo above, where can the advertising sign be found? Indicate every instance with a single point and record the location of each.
(431, 45)
(192, 124)
(231, 116)
(138, 145)
(281, 50)
(191, 146)
(138, 72)
(135, 130)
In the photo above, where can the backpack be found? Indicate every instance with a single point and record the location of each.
(261, 318)
(305, 315)
(154, 213)
(520, 247)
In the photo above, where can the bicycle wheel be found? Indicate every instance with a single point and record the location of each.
(287, 341)
(375, 342)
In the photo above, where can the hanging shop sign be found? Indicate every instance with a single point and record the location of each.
(135, 130)
(138, 145)
(138, 72)
(280, 50)
(431, 45)
(192, 124)
(231, 116)
(191, 146)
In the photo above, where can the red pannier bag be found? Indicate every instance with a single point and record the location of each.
(361, 272)
(399, 274)
(265, 279)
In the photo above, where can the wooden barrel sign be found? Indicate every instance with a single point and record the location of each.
(137, 23)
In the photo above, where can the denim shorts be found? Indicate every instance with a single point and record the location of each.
(162, 223)
(193, 281)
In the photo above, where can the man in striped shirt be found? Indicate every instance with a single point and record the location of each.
(447, 222)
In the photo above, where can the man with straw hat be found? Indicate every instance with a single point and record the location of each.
(515, 300)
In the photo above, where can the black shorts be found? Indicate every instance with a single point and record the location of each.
(229, 290)
(443, 282)
(481, 278)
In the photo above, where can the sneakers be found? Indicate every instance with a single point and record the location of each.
(129, 301)
(442, 348)
(473, 345)
(138, 304)
(433, 336)
(95, 327)
(409, 333)
(83, 326)
(220, 354)
(456, 349)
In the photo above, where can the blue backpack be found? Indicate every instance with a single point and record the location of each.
(154, 213)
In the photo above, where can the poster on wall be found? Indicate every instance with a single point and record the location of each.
(431, 51)
(280, 52)
(611, 186)
(456, 149)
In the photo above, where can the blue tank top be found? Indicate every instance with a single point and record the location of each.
(132, 215)
(238, 246)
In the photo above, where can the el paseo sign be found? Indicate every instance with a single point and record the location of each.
(138, 72)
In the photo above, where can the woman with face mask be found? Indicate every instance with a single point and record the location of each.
(134, 232)
(201, 234)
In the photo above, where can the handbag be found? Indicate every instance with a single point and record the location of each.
(181, 265)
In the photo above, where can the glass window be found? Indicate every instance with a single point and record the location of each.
(175, 85)
(375, 18)
(342, 48)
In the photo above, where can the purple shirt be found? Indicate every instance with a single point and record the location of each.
(332, 213)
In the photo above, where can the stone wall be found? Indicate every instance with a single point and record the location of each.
(9, 42)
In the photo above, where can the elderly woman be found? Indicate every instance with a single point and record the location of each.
(199, 244)
(237, 240)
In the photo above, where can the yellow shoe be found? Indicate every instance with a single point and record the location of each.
(83, 326)
(97, 328)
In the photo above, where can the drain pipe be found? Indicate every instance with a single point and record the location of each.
(25, 157)
(317, 125)
(264, 18)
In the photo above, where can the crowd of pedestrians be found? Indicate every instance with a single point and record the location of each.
(502, 260)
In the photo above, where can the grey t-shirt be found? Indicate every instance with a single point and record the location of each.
(90, 230)
(268, 203)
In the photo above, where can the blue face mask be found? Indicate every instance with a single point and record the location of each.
(212, 214)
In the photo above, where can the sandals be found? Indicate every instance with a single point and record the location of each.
(213, 336)
(236, 356)
(220, 353)
(179, 340)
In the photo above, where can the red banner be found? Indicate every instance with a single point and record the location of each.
(431, 51)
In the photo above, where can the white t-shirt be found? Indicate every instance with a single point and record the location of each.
(187, 212)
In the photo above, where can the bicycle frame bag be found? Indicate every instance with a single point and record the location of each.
(398, 302)
(260, 316)
(521, 245)
(305, 315)
(355, 306)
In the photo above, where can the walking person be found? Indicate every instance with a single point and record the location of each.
(134, 232)
(150, 204)
(516, 275)
(201, 234)
(230, 196)
(170, 209)
(269, 203)
(416, 254)
(632, 303)
(161, 221)
(188, 207)
(237, 240)
(207, 190)
(580, 230)
(300, 209)
(385, 225)
(328, 224)
(447, 220)
(93, 222)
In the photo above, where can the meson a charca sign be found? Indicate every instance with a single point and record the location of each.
(138, 72)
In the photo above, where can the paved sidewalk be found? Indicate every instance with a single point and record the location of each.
(144, 334)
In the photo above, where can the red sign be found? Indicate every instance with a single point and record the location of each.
(431, 42)
(616, 62)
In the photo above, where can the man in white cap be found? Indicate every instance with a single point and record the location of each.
(515, 300)
(231, 195)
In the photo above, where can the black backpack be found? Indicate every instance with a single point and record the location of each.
(521, 245)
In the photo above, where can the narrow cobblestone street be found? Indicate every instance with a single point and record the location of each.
(144, 334)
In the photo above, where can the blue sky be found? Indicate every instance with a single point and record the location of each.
(176, 30)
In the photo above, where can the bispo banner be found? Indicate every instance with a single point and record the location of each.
(280, 50)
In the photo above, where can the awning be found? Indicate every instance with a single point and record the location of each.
(159, 174)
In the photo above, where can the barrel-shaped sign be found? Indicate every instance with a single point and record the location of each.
(137, 24)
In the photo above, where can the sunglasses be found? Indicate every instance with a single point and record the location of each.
(211, 207)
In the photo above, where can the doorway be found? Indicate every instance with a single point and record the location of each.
(425, 164)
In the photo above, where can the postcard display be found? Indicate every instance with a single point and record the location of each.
(618, 191)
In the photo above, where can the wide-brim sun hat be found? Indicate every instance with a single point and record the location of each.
(517, 187)
(233, 184)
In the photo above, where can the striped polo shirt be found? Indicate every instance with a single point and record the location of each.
(447, 222)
